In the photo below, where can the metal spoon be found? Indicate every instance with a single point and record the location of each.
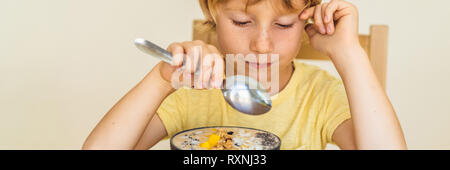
(236, 90)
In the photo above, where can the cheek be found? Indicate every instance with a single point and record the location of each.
(230, 39)
(287, 44)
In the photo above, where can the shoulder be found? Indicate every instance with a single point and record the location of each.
(316, 76)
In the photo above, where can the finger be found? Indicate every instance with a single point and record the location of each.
(339, 14)
(308, 13)
(193, 54)
(329, 26)
(199, 70)
(199, 74)
(218, 71)
(330, 10)
(329, 16)
(177, 78)
(177, 52)
(187, 79)
(191, 57)
(208, 65)
(207, 70)
(318, 21)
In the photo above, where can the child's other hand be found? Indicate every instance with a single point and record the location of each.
(195, 55)
(335, 26)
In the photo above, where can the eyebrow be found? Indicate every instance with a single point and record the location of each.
(280, 17)
(234, 9)
(287, 16)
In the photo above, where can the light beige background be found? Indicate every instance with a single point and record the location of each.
(63, 64)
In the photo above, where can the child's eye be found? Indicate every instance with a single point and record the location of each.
(285, 26)
(238, 23)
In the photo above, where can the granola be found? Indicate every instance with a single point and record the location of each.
(225, 138)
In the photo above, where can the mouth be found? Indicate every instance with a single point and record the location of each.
(258, 65)
(262, 61)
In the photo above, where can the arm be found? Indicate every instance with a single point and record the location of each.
(154, 132)
(131, 123)
(374, 124)
(374, 120)
(124, 124)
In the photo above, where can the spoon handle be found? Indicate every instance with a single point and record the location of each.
(159, 53)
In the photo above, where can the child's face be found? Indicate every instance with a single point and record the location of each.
(260, 30)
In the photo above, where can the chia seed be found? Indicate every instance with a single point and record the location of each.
(266, 139)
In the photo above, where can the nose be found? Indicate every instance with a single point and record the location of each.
(262, 42)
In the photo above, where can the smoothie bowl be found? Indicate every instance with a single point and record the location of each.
(224, 138)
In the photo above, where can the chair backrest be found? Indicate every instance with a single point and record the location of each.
(375, 44)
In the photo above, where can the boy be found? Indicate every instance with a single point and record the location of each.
(311, 107)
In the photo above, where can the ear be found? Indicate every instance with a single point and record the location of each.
(204, 4)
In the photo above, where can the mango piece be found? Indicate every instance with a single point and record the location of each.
(205, 145)
(213, 139)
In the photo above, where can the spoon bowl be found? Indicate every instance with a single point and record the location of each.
(239, 94)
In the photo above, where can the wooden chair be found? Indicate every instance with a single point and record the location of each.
(375, 45)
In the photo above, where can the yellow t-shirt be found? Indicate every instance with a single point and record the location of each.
(304, 114)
